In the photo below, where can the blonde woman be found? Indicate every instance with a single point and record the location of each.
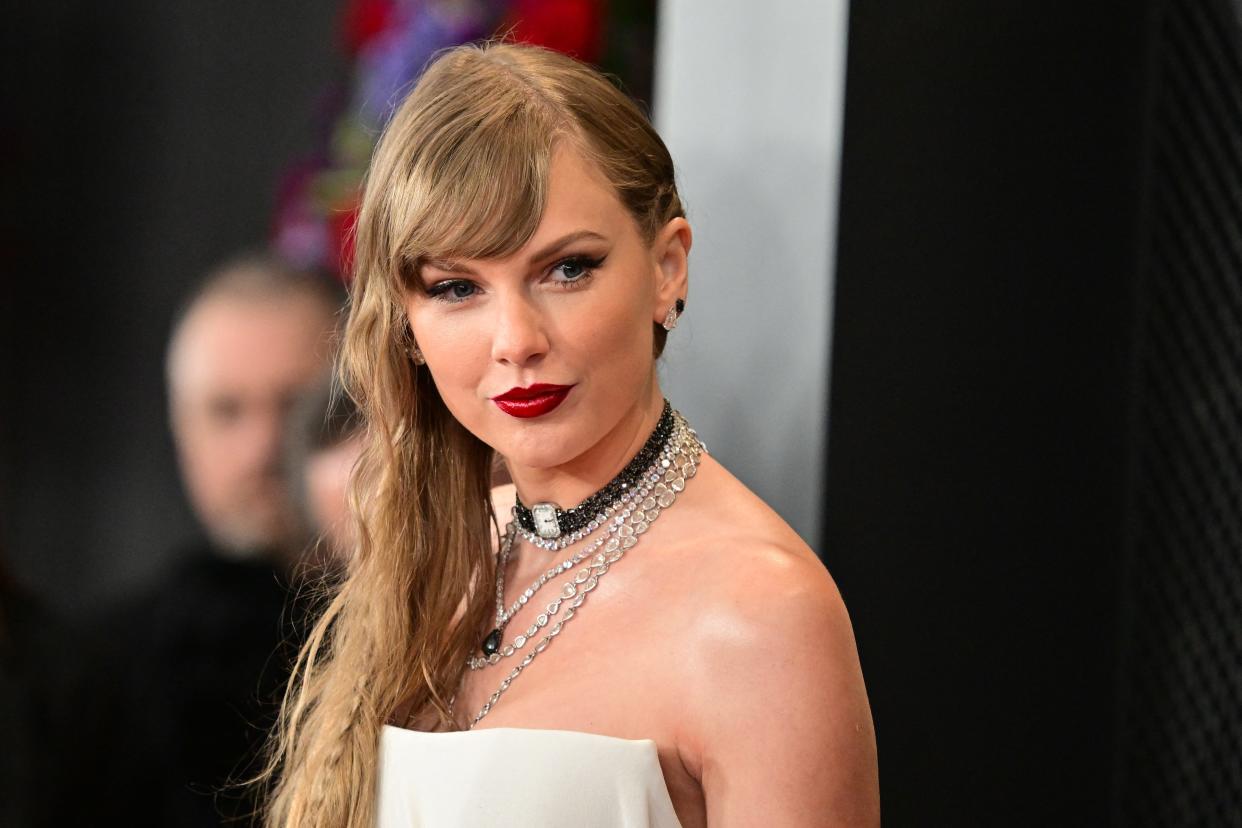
(626, 636)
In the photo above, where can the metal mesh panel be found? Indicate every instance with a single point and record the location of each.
(1180, 727)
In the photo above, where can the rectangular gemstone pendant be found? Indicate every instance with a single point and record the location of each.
(546, 524)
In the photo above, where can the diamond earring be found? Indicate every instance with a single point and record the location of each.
(417, 356)
(670, 318)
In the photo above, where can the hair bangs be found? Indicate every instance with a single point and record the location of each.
(479, 186)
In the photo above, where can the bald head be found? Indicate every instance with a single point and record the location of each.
(255, 336)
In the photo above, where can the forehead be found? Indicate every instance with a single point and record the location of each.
(578, 190)
(230, 341)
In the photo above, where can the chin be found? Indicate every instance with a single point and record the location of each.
(253, 533)
(538, 454)
(542, 448)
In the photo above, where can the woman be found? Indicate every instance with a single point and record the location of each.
(521, 257)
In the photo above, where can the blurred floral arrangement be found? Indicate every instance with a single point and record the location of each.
(388, 42)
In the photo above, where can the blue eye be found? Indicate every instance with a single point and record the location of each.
(576, 269)
(452, 291)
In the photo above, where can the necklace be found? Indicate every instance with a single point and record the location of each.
(660, 493)
(577, 523)
(551, 527)
(633, 494)
(641, 497)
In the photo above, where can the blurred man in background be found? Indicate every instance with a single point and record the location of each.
(205, 654)
(254, 339)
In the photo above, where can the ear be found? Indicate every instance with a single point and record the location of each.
(670, 252)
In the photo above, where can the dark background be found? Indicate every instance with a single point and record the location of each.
(144, 142)
(987, 256)
(1034, 506)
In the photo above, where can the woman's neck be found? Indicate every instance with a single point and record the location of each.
(570, 483)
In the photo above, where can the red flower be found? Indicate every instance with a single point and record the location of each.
(574, 27)
(362, 20)
(341, 240)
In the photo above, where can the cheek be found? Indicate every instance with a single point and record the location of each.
(457, 357)
(457, 351)
(437, 327)
(617, 344)
(209, 450)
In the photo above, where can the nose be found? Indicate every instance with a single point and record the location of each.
(518, 334)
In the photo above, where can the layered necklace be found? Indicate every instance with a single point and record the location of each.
(550, 527)
(620, 513)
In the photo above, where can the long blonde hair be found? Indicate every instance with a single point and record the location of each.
(460, 170)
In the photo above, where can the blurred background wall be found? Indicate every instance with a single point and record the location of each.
(750, 107)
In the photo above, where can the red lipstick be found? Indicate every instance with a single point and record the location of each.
(534, 401)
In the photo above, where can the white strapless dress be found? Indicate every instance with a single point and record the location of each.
(520, 778)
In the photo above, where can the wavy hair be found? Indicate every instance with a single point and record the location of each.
(461, 170)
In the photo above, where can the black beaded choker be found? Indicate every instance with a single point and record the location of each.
(549, 521)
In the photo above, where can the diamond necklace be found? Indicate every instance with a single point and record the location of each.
(634, 493)
(551, 527)
(642, 498)
(578, 522)
(634, 521)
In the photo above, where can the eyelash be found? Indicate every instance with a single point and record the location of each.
(442, 291)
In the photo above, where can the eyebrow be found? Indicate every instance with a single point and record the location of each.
(543, 253)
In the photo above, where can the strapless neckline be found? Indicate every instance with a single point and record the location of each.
(517, 776)
(549, 731)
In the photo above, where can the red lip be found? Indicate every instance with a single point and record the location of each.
(534, 401)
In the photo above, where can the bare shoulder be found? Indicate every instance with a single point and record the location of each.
(770, 588)
(768, 648)
(753, 572)
(769, 603)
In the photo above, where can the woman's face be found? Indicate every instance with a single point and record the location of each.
(543, 353)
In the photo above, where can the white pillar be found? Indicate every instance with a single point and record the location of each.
(749, 98)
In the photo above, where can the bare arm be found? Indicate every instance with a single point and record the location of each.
(780, 722)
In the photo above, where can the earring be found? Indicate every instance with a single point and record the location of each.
(670, 318)
(417, 356)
